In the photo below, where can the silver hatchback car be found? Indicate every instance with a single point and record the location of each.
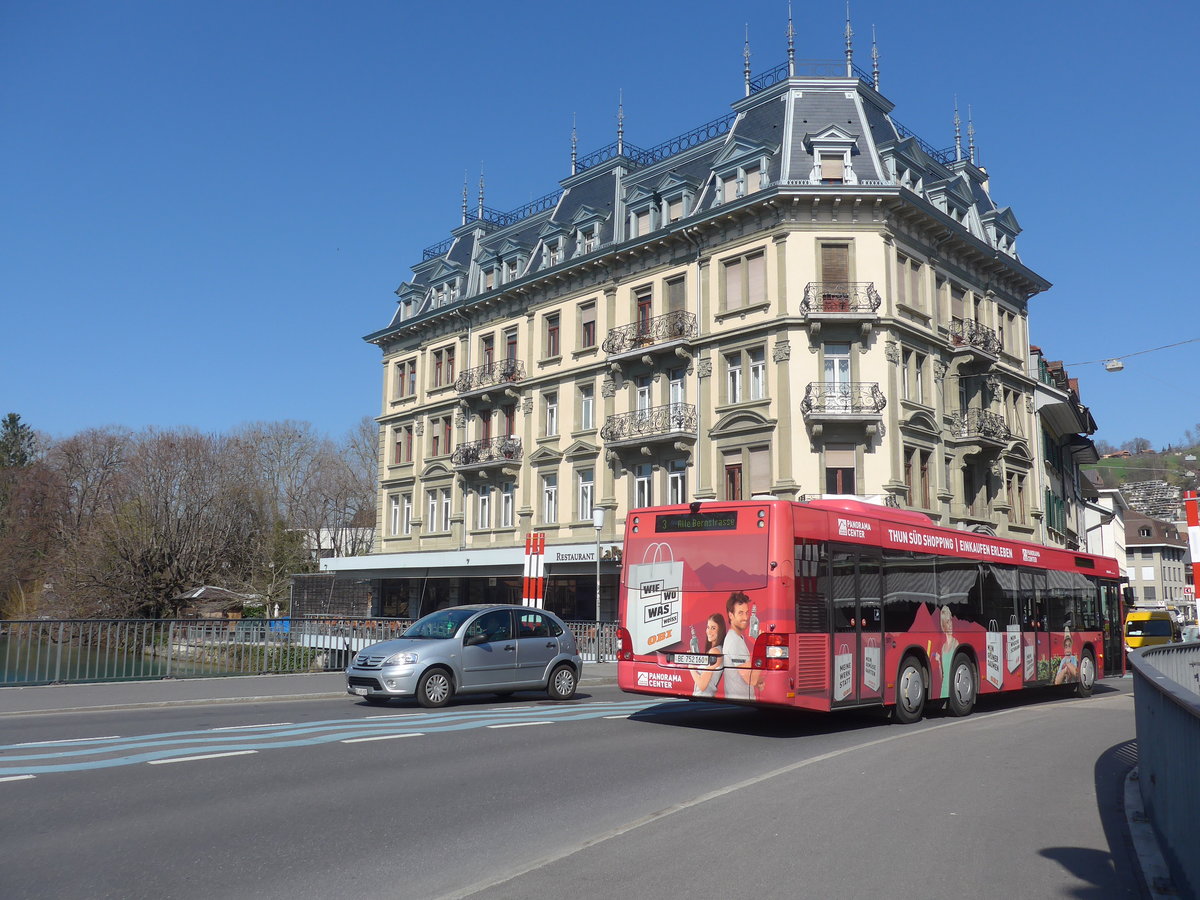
(470, 650)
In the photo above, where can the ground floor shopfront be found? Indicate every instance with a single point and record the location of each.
(409, 585)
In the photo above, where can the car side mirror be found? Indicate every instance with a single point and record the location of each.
(473, 639)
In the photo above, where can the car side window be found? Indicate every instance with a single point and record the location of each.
(536, 625)
(493, 626)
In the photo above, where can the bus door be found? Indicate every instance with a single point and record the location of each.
(1034, 637)
(855, 591)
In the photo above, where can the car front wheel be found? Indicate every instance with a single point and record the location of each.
(562, 683)
(435, 688)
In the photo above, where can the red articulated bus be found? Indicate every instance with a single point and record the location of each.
(836, 603)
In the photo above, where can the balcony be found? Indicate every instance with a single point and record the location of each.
(977, 431)
(854, 402)
(643, 427)
(476, 456)
(973, 343)
(496, 378)
(854, 302)
(644, 340)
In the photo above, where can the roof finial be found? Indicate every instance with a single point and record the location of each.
(970, 135)
(481, 191)
(464, 205)
(874, 59)
(574, 143)
(957, 132)
(621, 122)
(746, 64)
(849, 44)
(791, 36)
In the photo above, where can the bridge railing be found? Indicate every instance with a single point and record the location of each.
(72, 651)
(1166, 687)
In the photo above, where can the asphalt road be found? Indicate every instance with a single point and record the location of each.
(609, 794)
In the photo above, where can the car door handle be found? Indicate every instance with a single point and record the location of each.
(509, 647)
(550, 644)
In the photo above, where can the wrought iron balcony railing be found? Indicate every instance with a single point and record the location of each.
(657, 421)
(672, 326)
(854, 297)
(490, 451)
(855, 398)
(505, 371)
(968, 333)
(979, 423)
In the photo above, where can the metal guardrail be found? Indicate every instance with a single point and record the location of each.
(74, 651)
(1166, 689)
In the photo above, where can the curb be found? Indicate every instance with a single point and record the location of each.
(1155, 873)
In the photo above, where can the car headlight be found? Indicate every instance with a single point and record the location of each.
(401, 659)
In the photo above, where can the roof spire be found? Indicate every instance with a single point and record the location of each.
(849, 44)
(791, 36)
(464, 203)
(481, 191)
(746, 64)
(957, 132)
(874, 59)
(621, 122)
(574, 143)
(970, 135)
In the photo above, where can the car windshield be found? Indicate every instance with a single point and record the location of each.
(439, 625)
(1148, 628)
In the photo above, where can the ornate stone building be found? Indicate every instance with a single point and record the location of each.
(799, 298)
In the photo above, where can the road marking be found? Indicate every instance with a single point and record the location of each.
(17, 777)
(383, 737)
(240, 727)
(107, 737)
(396, 716)
(163, 762)
(519, 724)
(626, 716)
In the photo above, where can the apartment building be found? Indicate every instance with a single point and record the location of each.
(800, 298)
(1157, 563)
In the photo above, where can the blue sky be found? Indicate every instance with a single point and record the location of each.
(207, 205)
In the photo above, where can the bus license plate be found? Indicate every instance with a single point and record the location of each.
(691, 659)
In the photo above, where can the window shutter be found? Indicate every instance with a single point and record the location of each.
(839, 456)
(757, 278)
(734, 298)
(760, 471)
(832, 167)
(729, 189)
(676, 295)
(675, 210)
(835, 263)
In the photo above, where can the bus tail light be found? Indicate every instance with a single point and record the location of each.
(771, 652)
(624, 644)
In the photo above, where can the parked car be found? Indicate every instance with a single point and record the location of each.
(481, 649)
(1191, 632)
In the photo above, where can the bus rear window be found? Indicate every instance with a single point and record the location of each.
(1148, 628)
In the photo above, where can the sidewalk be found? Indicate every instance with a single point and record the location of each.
(171, 691)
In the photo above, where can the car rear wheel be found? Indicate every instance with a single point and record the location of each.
(910, 692)
(1087, 674)
(562, 683)
(964, 686)
(435, 688)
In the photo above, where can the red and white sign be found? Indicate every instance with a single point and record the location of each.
(533, 584)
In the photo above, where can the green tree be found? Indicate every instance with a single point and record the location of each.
(18, 447)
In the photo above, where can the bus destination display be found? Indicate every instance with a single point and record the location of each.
(713, 521)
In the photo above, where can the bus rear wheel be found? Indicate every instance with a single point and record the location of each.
(910, 692)
(964, 686)
(1087, 674)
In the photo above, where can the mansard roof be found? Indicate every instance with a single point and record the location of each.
(782, 119)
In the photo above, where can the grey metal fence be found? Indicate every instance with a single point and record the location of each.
(51, 651)
(1166, 684)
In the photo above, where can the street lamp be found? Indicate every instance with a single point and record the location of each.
(598, 523)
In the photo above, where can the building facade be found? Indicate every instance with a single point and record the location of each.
(801, 298)
(1157, 563)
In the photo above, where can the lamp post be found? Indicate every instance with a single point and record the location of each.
(598, 523)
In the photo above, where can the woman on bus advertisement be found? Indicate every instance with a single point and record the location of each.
(708, 679)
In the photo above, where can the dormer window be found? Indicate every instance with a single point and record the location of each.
(743, 177)
(832, 152)
(489, 279)
(510, 270)
(588, 239)
(552, 253)
(675, 209)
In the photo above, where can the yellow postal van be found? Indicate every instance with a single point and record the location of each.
(1148, 628)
